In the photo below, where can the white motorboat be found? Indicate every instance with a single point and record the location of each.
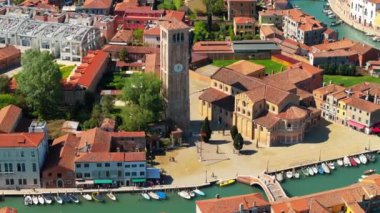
(145, 196)
(199, 192)
(184, 195)
(363, 159)
(356, 159)
(376, 38)
(315, 169)
(279, 177)
(289, 174)
(296, 174)
(332, 16)
(48, 199)
(325, 168)
(58, 199)
(153, 195)
(329, 12)
(364, 176)
(310, 170)
(41, 199)
(87, 197)
(111, 196)
(331, 165)
(28, 200)
(339, 162)
(35, 200)
(191, 193)
(346, 161)
(73, 198)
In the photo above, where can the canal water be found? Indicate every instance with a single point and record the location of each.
(315, 7)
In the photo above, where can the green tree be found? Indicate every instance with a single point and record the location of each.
(106, 104)
(238, 142)
(138, 34)
(122, 54)
(200, 31)
(6, 99)
(40, 83)
(136, 118)
(206, 130)
(233, 131)
(4, 84)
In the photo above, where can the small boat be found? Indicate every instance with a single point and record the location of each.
(331, 165)
(305, 172)
(289, 174)
(48, 199)
(87, 197)
(364, 176)
(296, 174)
(356, 159)
(28, 200)
(199, 192)
(191, 193)
(153, 195)
(369, 171)
(184, 195)
(98, 197)
(325, 10)
(226, 182)
(58, 199)
(360, 179)
(111, 196)
(65, 198)
(41, 199)
(145, 195)
(353, 162)
(336, 23)
(320, 170)
(325, 168)
(363, 159)
(315, 169)
(279, 177)
(162, 195)
(332, 16)
(310, 170)
(35, 200)
(371, 157)
(330, 12)
(340, 162)
(73, 198)
(346, 161)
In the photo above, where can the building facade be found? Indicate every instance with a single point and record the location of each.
(243, 8)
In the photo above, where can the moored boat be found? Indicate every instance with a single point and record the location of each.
(191, 193)
(363, 159)
(153, 195)
(315, 169)
(226, 182)
(184, 195)
(111, 196)
(73, 198)
(145, 196)
(87, 197)
(310, 170)
(320, 170)
(279, 177)
(48, 199)
(162, 195)
(356, 159)
(199, 192)
(371, 157)
(340, 162)
(325, 168)
(35, 200)
(65, 198)
(369, 171)
(289, 174)
(98, 197)
(58, 199)
(353, 162)
(346, 161)
(28, 200)
(304, 171)
(296, 174)
(331, 165)
(41, 199)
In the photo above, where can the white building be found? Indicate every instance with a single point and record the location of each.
(22, 156)
(113, 168)
(364, 12)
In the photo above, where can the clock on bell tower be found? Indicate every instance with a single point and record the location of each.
(174, 73)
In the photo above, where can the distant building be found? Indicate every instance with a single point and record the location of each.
(243, 8)
(10, 57)
(272, 17)
(248, 68)
(151, 36)
(244, 25)
(373, 67)
(99, 7)
(270, 32)
(9, 118)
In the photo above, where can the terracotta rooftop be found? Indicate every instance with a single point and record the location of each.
(231, 204)
(329, 89)
(236, 79)
(112, 157)
(97, 139)
(268, 30)
(335, 53)
(246, 67)
(268, 93)
(173, 24)
(129, 134)
(244, 20)
(272, 12)
(341, 44)
(306, 22)
(362, 104)
(154, 31)
(293, 113)
(21, 139)
(218, 98)
(268, 120)
(9, 116)
(122, 6)
(9, 51)
(123, 36)
(112, 48)
(179, 15)
(362, 48)
(8, 209)
(212, 47)
(97, 4)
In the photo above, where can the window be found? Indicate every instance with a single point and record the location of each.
(34, 167)
(22, 153)
(79, 175)
(107, 173)
(23, 167)
(6, 169)
(7, 181)
(98, 165)
(134, 165)
(86, 165)
(119, 173)
(13, 181)
(19, 168)
(19, 181)
(35, 181)
(127, 174)
(87, 175)
(142, 173)
(272, 108)
(134, 174)
(289, 125)
(78, 165)
(10, 167)
(33, 154)
(59, 175)
(142, 165)
(119, 164)
(24, 182)
(107, 164)
(127, 166)
(215, 84)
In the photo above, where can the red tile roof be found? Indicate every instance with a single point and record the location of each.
(155, 31)
(9, 116)
(8, 209)
(213, 46)
(246, 67)
(268, 120)
(123, 36)
(125, 5)
(179, 15)
(362, 104)
(293, 113)
(130, 49)
(244, 20)
(97, 4)
(136, 134)
(173, 24)
(231, 204)
(112, 157)
(236, 79)
(21, 139)
(218, 98)
(9, 51)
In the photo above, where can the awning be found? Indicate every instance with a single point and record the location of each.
(375, 129)
(84, 182)
(356, 124)
(103, 181)
(138, 180)
(153, 173)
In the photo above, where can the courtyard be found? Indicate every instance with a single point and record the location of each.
(326, 141)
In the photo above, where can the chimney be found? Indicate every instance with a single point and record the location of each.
(241, 208)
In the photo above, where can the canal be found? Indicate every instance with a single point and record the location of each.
(315, 7)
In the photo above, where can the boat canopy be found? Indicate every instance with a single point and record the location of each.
(103, 181)
(138, 180)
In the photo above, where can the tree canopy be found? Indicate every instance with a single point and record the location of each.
(4, 84)
(233, 131)
(206, 130)
(142, 94)
(238, 142)
(40, 83)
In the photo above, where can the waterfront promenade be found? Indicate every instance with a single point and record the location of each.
(340, 8)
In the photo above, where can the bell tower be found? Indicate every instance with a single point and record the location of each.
(174, 73)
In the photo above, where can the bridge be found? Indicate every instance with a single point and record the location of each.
(269, 184)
